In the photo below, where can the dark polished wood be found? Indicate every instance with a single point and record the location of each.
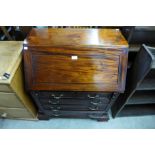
(96, 115)
(91, 38)
(75, 72)
(76, 60)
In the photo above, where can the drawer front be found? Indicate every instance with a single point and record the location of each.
(5, 88)
(76, 114)
(10, 100)
(74, 101)
(71, 70)
(14, 113)
(76, 95)
(88, 107)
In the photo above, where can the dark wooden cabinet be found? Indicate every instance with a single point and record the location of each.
(139, 96)
(75, 72)
(139, 34)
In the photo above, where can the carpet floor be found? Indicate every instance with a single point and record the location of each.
(142, 122)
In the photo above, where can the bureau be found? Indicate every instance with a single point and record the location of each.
(14, 101)
(75, 73)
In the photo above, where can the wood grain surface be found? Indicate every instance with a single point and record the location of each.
(71, 37)
(75, 60)
(14, 101)
(10, 57)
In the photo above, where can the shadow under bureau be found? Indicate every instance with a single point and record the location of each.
(75, 73)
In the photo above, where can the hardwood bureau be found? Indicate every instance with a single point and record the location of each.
(14, 102)
(75, 73)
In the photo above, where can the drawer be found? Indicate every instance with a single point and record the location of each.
(74, 101)
(14, 113)
(76, 114)
(88, 107)
(10, 100)
(59, 95)
(5, 88)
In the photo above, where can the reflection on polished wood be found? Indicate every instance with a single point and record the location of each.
(76, 37)
(75, 60)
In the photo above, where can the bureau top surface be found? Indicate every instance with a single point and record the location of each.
(71, 37)
(10, 55)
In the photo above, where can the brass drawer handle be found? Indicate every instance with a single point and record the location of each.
(55, 108)
(92, 97)
(57, 97)
(93, 108)
(95, 103)
(52, 102)
(55, 113)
